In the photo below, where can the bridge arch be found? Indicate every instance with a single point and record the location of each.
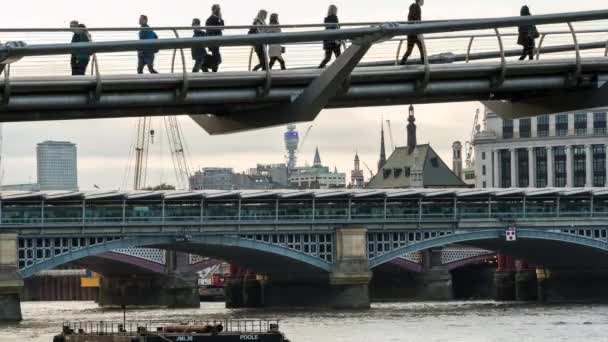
(530, 234)
(195, 244)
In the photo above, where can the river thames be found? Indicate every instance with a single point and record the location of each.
(451, 321)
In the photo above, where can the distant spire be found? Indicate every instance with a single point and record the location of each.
(357, 162)
(317, 160)
(382, 160)
(411, 131)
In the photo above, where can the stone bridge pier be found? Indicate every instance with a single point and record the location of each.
(11, 283)
(174, 289)
(345, 287)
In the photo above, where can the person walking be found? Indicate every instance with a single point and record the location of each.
(527, 36)
(80, 60)
(414, 15)
(145, 57)
(331, 46)
(199, 53)
(215, 59)
(259, 24)
(276, 50)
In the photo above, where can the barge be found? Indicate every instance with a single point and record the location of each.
(195, 331)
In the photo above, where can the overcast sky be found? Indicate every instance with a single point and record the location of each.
(105, 145)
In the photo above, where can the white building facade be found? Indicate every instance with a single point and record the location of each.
(557, 150)
(57, 165)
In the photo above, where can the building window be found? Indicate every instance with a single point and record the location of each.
(484, 185)
(559, 157)
(580, 169)
(507, 129)
(580, 124)
(561, 125)
(525, 128)
(434, 162)
(523, 167)
(483, 170)
(599, 165)
(483, 156)
(505, 168)
(541, 167)
(542, 126)
(599, 123)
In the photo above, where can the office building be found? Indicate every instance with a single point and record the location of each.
(57, 165)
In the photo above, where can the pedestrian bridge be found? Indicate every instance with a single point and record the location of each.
(296, 231)
(570, 72)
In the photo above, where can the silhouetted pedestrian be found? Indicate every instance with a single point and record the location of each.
(199, 53)
(79, 60)
(258, 27)
(145, 56)
(276, 50)
(331, 46)
(414, 15)
(527, 36)
(214, 61)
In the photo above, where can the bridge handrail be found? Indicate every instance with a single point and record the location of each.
(386, 31)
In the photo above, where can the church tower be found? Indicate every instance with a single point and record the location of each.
(411, 131)
(357, 180)
(382, 160)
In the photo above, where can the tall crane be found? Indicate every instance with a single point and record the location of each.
(142, 144)
(303, 140)
(178, 153)
(469, 144)
(390, 134)
(371, 173)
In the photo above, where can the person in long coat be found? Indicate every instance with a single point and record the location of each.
(276, 50)
(80, 60)
(527, 37)
(199, 53)
(259, 24)
(215, 19)
(331, 46)
(414, 15)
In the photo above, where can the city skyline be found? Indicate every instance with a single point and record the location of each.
(104, 145)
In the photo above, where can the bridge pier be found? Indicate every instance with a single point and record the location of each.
(146, 290)
(11, 283)
(434, 283)
(173, 290)
(345, 288)
(504, 279)
(526, 285)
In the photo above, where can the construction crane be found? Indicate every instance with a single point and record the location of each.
(144, 135)
(178, 153)
(390, 134)
(303, 140)
(469, 144)
(371, 173)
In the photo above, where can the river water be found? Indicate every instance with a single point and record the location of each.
(451, 321)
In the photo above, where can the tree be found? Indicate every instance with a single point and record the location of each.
(162, 186)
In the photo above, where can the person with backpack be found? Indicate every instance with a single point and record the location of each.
(527, 36)
(80, 60)
(199, 53)
(276, 50)
(145, 56)
(259, 24)
(215, 59)
(331, 46)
